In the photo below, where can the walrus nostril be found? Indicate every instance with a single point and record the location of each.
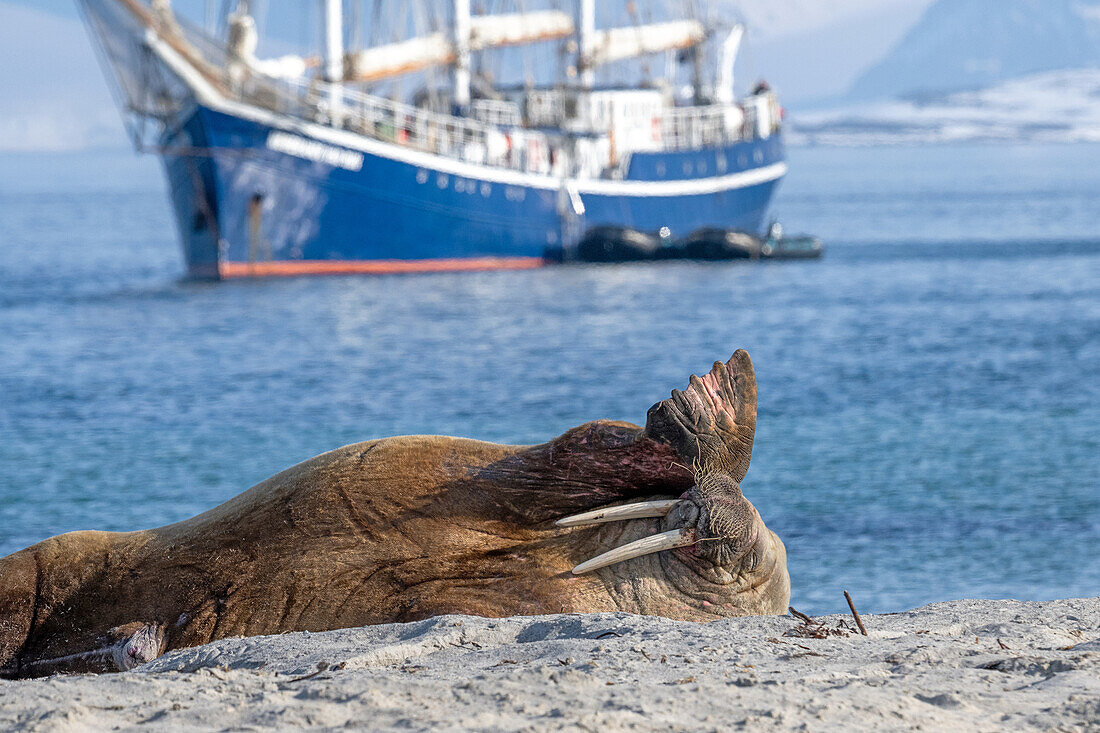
(684, 514)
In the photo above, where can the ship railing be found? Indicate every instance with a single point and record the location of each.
(683, 128)
(505, 144)
(497, 112)
(688, 128)
(463, 138)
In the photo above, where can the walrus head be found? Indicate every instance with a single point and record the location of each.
(708, 544)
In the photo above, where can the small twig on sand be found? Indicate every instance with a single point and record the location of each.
(800, 615)
(1002, 644)
(811, 628)
(855, 614)
(321, 667)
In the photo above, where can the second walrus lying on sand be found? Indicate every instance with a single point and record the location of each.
(607, 517)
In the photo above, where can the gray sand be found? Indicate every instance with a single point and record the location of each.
(964, 665)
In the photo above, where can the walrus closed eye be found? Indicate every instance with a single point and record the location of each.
(608, 516)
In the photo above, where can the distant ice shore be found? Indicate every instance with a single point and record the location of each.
(962, 665)
(1057, 106)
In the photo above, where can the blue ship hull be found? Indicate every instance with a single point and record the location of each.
(258, 194)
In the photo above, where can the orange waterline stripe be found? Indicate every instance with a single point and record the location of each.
(284, 268)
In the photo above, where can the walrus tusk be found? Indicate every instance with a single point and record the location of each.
(647, 545)
(640, 510)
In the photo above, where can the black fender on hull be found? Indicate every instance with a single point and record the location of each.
(611, 243)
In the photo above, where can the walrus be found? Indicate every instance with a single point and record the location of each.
(607, 517)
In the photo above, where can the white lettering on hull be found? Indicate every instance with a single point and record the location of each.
(301, 147)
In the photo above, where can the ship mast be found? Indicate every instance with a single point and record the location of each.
(460, 71)
(334, 54)
(586, 32)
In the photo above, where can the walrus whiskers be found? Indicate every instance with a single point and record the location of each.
(639, 510)
(646, 546)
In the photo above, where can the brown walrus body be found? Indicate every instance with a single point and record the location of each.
(405, 528)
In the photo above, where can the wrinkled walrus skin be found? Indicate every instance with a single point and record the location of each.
(402, 529)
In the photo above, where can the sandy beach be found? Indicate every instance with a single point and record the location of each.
(973, 665)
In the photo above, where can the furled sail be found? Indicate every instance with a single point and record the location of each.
(403, 57)
(515, 29)
(437, 49)
(616, 44)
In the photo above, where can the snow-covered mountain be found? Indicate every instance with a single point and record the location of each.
(768, 19)
(812, 51)
(973, 44)
(1053, 106)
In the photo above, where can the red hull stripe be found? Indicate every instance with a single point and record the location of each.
(286, 268)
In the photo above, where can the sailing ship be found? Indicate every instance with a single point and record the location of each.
(408, 153)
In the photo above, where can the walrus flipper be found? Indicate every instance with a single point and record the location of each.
(711, 424)
(120, 649)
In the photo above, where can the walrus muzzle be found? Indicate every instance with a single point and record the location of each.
(606, 517)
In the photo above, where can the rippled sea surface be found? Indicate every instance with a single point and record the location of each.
(929, 417)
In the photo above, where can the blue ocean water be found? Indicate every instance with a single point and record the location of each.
(929, 416)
